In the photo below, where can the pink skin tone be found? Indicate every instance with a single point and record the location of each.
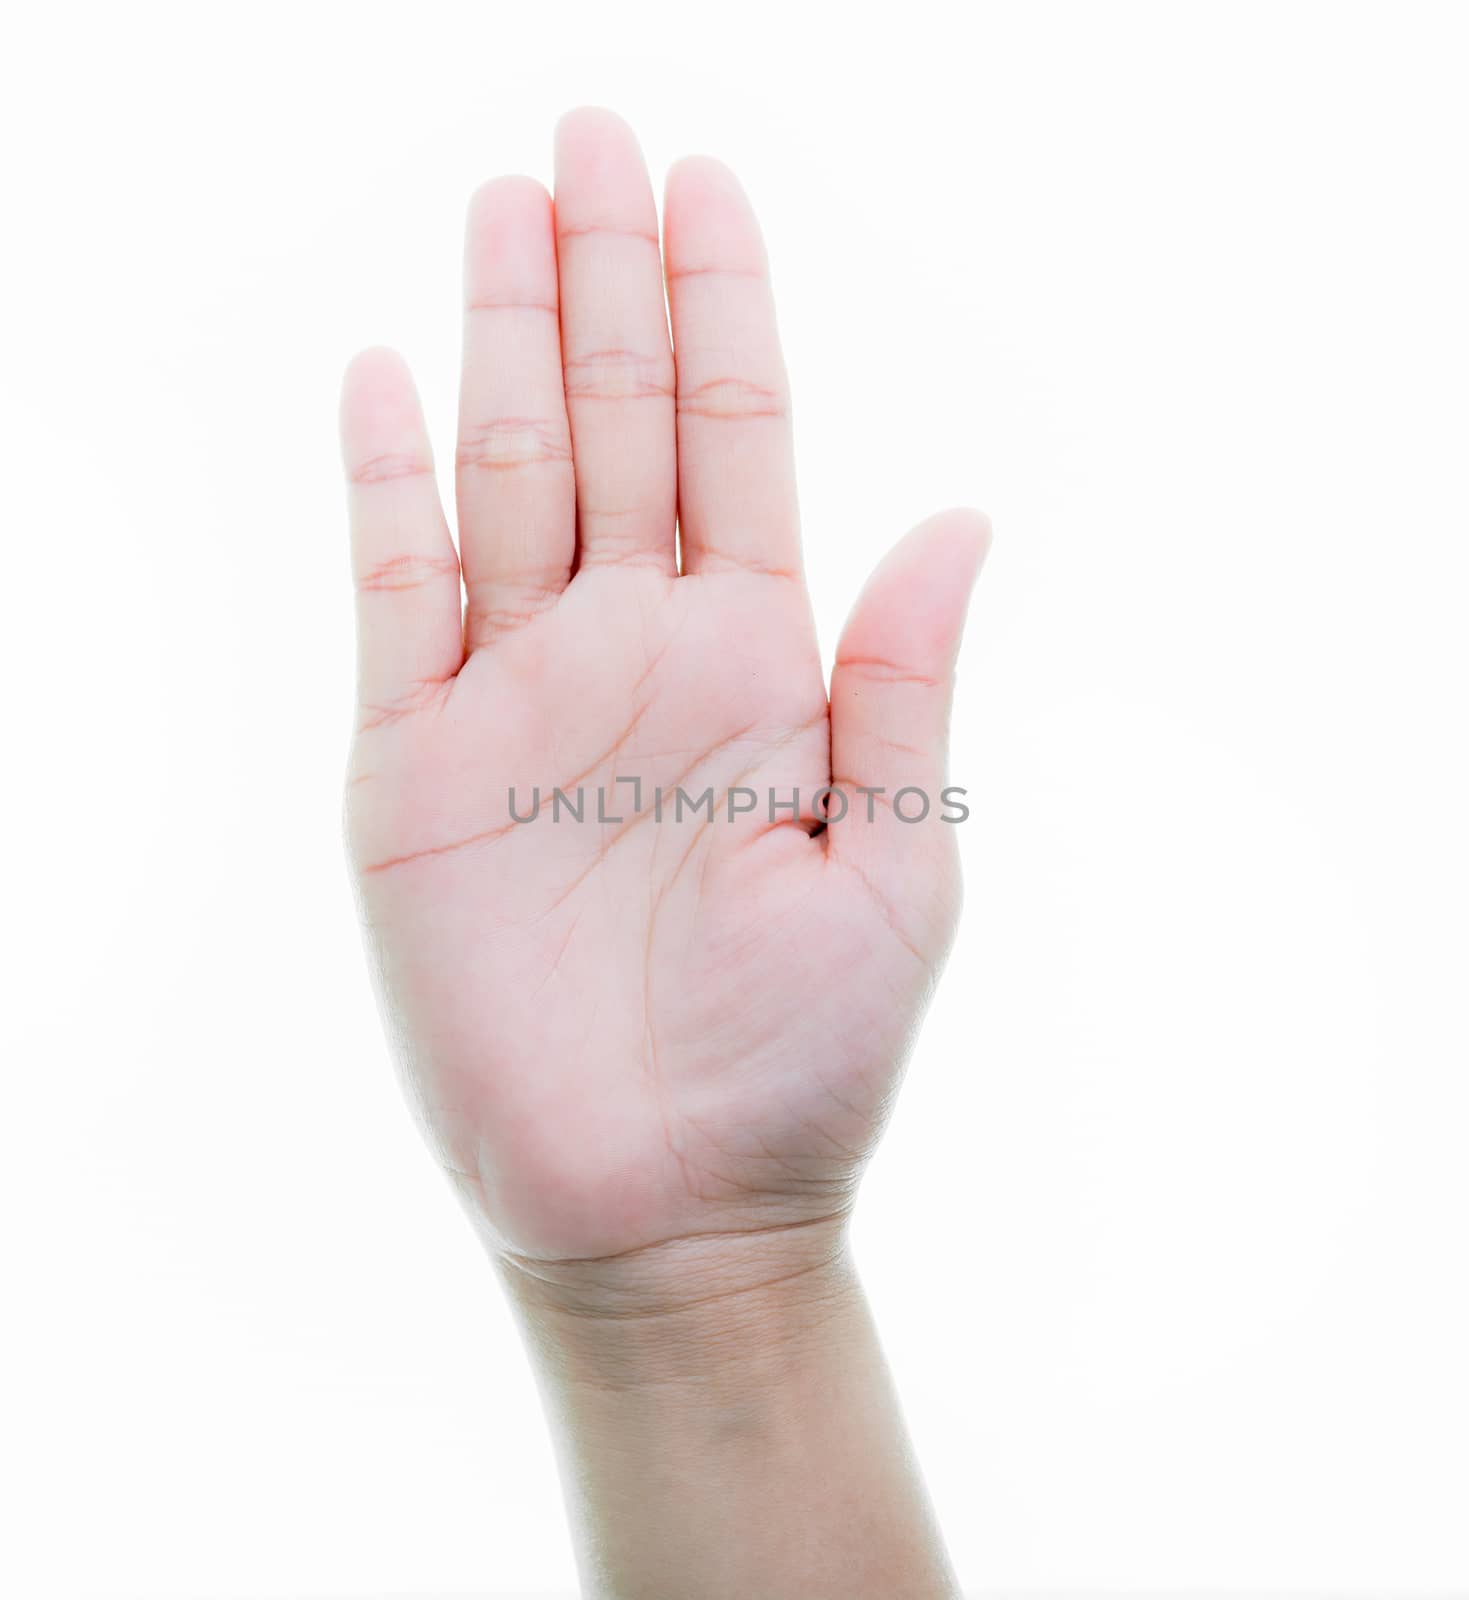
(623, 1034)
(654, 1055)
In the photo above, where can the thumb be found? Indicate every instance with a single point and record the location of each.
(891, 690)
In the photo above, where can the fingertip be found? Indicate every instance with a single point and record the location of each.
(510, 245)
(703, 194)
(914, 605)
(379, 411)
(371, 369)
(941, 554)
(957, 538)
(587, 114)
(601, 176)
(949, 549)
(708, 220)
(693, 173)
(590, 128)
(514, 191)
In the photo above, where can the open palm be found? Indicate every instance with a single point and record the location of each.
(684, 1013)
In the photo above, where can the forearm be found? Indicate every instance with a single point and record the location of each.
(726, 1426)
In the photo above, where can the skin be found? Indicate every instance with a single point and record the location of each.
(654, 1054)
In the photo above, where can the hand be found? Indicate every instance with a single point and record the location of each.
(628, 1033)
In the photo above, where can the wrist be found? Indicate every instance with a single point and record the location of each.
(687, 1309)
(725, 1424)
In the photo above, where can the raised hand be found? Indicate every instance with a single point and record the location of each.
(646, 1033)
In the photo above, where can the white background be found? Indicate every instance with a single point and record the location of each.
(1168, 1242)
